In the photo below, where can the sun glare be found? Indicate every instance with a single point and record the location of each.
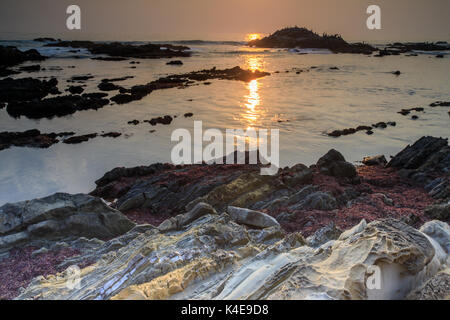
(253, 36)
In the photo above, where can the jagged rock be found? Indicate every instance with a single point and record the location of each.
(182, 220)
(379, 160)
(215, 258)
(251, 218)
(11, 56)
(30, 138)
(117, 49)
(76, 89)
(439, 211)
(426, 161)
(323, 235)
(80, 139)
(333, 163)
(56, 106)
(57, 216)
(25, 89)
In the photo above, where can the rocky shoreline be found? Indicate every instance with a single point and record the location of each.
(226, 232)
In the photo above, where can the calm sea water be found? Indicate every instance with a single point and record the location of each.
(362, 91)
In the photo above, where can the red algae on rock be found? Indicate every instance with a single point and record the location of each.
(21, 267)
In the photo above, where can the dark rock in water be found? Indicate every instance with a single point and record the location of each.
(75, 89)
(162, 120)
(31, 138)
(414, 117)
(382, 125)
(405, 112)
(25, 89)
(175, 63)
(82, 78)
(56, 106)
(188, 115)
(116, 49)
(440, 104)
(80, 139)
(45, 39)
(134, 122)
(109, 58)
(111, 135)
(11, 56)
(418, 46)
(397, 73)
(333, 163)
(5, 72)
(185, 80)
(379, 160)
(439, 56)
(94, 95)
(108, 86)
(304, 38)
(118, 79)
(123, 98)
(32, 68)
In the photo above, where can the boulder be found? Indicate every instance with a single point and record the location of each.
(333, 163)
(251, 218)
(379, 160)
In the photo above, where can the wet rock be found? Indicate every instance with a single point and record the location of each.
(166, 120)
(58, 216)
(123, 98)
(188, 115)
(108, 86)
(414, 117)
(30, 138)
(175, 63)
(11, 56)
(436, 288)
(439, 56)
(82, 78)
(25, 89)
(116, 49)
(32, 68)
(382, 125)
(134, 122)
(118, 79)
(397, 73)
(303, 38)
(80, 139)
(440, 104)
(328, 233)
(251, 218)
(111, 135)
(379, 160)
(334, 164)
(56, 106)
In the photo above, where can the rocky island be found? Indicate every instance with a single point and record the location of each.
(303, 38)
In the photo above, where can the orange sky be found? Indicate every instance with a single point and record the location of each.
(230, 19)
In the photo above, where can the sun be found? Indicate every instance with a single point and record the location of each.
(253, 36)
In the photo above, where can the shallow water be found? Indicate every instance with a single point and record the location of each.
(362, 91)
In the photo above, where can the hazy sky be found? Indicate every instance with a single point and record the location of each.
(223, 19)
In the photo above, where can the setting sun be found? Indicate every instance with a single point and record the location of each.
(253, 36)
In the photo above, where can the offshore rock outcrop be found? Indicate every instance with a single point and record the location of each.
(117, 49)
(30, 138)
(11, 56)
(304, 38)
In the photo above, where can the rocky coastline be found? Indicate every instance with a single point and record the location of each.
(226, 232)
